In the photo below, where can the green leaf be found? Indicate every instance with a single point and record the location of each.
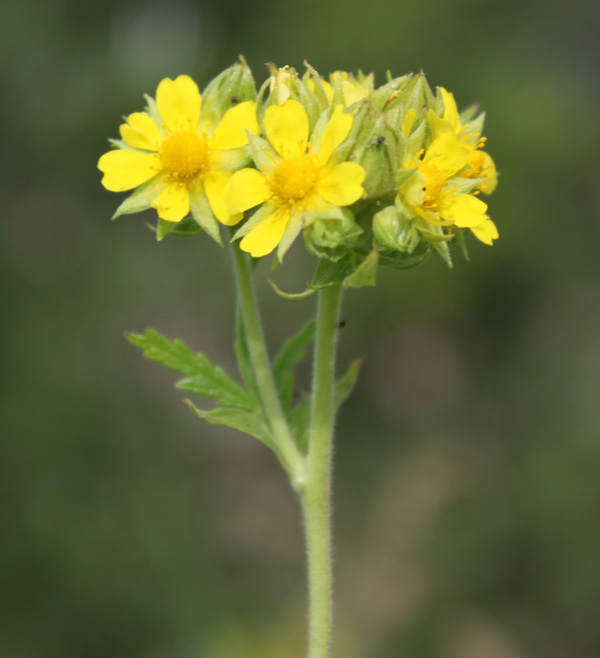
(286, 390)
(299, 420)
(345, 385)
(299, 416)
(330, 272)
(364, 274)
(202, 376)
(238, 419)
(243, 356)
(293, 351)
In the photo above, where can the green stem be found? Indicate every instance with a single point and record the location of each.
(289, 454)
(316, 495)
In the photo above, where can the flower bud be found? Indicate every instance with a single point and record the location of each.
(394, 232)
(373, 144)
(334, 236)
(285, 83)
(235, 85)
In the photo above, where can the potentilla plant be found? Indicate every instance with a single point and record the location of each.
(368, 176)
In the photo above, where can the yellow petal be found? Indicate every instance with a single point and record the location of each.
(140, 132)
(342, 186)
(450, 110)
(287, 127)
(486, 232)
(215, 186)
(407, 124)
(179, 103)
(231, 131)
(412, 191)
(353, 92)
(464, 210)
(447, 154)
(247, 188)
(326, 85)
(488, 170)
(437, 125)
(173, 204)
(124, 170)
(334, 133)
(263, 238)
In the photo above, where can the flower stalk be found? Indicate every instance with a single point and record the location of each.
(290, 456)
(316, 497)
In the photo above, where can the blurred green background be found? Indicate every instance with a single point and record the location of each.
(467, 486)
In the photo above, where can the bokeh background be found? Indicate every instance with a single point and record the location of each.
(467, 487)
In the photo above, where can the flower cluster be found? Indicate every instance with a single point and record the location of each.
(391, 173)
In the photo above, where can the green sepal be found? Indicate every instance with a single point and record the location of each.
(292, 230)
(292, 295)
(163, 228)
(460, 238)
(319, 90)
(444, 251)
(143, 196)
(403, 261)
(262, 152)
(390, 93)
(186, 228)
(263, 212)
(460, 185)
(364, 274)
(475, 127)
(202, 376)
(202, 212)
(152, 110)
(238, 419)
(403, 175)
(468, 113)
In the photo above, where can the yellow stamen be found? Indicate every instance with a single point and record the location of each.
(294, 179)
(185, 154)
(434, 183)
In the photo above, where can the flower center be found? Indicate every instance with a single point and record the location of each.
(294, 178)
(185, 154)
(434, 183)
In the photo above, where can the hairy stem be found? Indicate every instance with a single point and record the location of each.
(289, 454)
(316, 495)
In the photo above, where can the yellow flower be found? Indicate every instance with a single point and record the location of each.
(187, 160)
(432, 197)
(298, 183)
(480, 163)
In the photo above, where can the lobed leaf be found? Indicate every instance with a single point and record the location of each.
(238, 419)
(202, 376)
